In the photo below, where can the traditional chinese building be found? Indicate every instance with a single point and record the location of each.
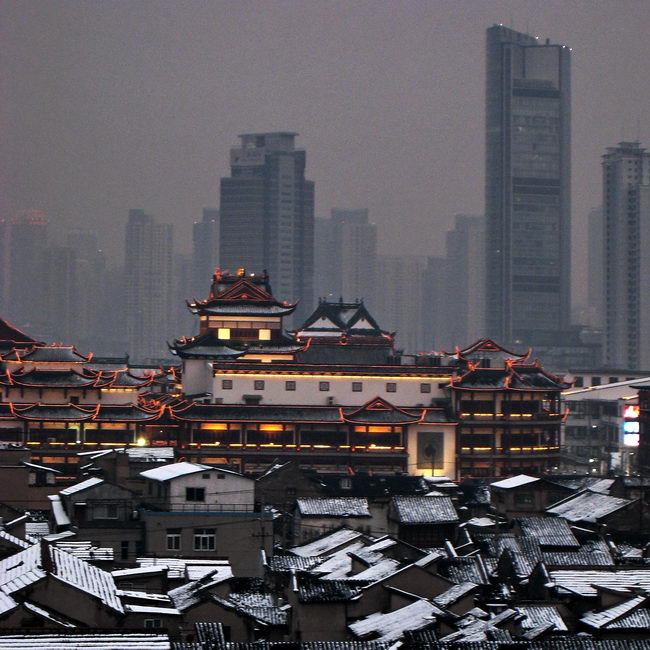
(509, 412)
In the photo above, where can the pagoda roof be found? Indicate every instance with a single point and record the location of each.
(241, 296)
(514, 376)
(47, 354)
(342, 319)
(126, 379)
(11, 336)
(209, 346)
(64, 378)
(487, 349)
(379, 411)
(78, 413)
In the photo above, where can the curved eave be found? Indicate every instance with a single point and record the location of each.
(242, 309)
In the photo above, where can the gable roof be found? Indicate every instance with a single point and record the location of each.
(515, 481)
(333, 507)
(174, 470)
(380, 411)
(424, 509)
(588, 506)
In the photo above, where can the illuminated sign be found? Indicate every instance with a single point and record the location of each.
(631, 427)
(631, 412)
(631, 439)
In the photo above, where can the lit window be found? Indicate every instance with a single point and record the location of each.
(264, 335)
(290, 385)
(425, 388)
(204, 539)
(357, 386)
(223, 333)
(323, 385)
(258, 384)
(196, 494)
(391, 387)
(226, 384)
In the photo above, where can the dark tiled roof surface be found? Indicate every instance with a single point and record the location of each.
(424, 510)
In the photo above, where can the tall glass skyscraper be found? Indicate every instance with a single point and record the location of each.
(267, 216)
(527, 197)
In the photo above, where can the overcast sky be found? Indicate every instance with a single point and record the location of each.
(122, 103)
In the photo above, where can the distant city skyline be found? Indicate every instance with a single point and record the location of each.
(114, 105)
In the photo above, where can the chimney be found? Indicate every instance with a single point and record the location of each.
(47, 559)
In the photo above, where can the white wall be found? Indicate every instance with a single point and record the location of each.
(232, 489)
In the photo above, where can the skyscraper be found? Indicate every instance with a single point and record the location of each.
(527, 198)
(626, 205)
(205, 251)
(267, 215)
(148, 283)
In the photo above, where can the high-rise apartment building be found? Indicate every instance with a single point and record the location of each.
(148, 285)
(267, 215)
(205, 251)
(527, 198)
(595, 309)
(626, 241)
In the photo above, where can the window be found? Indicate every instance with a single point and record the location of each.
(289, 385)
(357, 386)
(124, 549)
(105, 511)
(173, 539)
(579, 382)
(391, 387)
(205, 476)
(524, 498)
(204, 539)
(264, 335)
(323, 385)
(258, 384)
(226, 384)
(196, 494)
(595, 380)
(223, 333)
(152, 622)
(425, 388)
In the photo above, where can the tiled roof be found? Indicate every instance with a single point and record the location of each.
(392, 625)
(87, 641)
(605, 618)
(588, 506)
(539, 614)
(288, 563)
(333, 507)
(548, 531)
(592, 553)
(424, 510)
(326, 591)
(80, 487)
(326, 543)
(454, 594)
(584, 582)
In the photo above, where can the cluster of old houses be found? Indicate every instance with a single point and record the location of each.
(314, 486)
(153, 547)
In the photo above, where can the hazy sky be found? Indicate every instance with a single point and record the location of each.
(134, 103)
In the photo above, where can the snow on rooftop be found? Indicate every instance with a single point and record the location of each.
(174, 470)
(327, 543)
(602, 619)
(514, 481)
(176, 566)
(150, 454)
(391, 626)
(86, 641)
(79, 487)
(334, 507)
(149, 609)
(60, 515)
(585, 582)
(588, 506)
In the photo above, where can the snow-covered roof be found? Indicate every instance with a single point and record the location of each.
(60, 515)
(585, 582)
(327, 543)
(454, 594)
(90, 641)
(338, 565)
(54, 617)
(382, 569)
(139, 571)
(150, 454)
(174, 470)
(548, 531)
(537, 615)
(34, 530)
(424, 510)
(25, 568)
(151, 609)
(8, 537)
(588, 506)
(177, 566)
(514, 481)
(87, 551)
(391, 626)
(606, 617)
(334, 507)
(79, 487)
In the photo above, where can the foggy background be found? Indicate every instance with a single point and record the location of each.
(115, 105)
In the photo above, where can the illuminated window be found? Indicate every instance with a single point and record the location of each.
(258, 384)
(223, 333)
(391, 387)
(290, 385)
(226, 384)
(357, 386)
(323, 385)
(264, 335)
(425, 388)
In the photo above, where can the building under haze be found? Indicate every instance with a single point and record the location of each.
(148, 286)
(527, 199)
(267, 214)
(205, 249)
(626, 205)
